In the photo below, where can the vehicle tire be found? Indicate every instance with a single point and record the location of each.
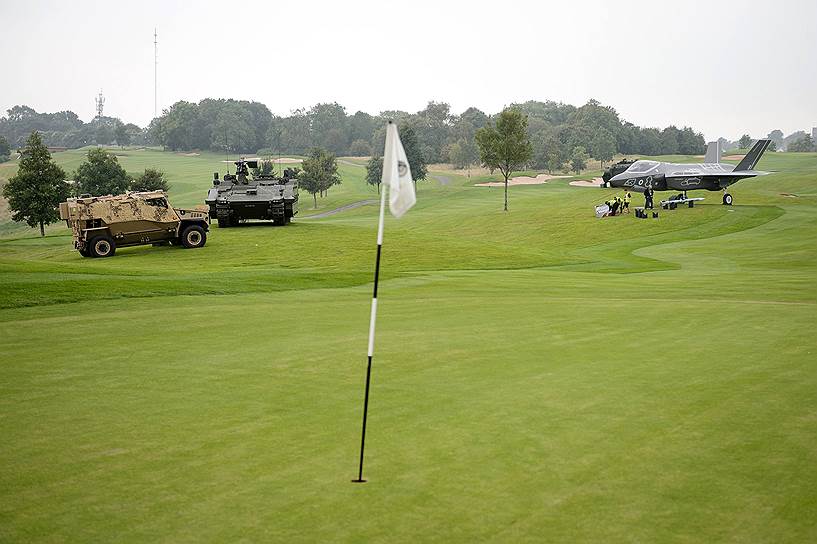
(84, 252)
(727, 199)
(102, 246)
(193, 236)
(223, 223)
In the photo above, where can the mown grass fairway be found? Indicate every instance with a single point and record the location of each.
(539, 375)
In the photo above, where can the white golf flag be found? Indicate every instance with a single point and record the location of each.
(397, 174)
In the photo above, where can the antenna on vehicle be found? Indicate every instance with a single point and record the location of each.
(278, 149)
(227, 149)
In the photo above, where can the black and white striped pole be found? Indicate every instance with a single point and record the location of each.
(372, 320)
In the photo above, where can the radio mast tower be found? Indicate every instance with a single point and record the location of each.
(100, 103)
(155, 73)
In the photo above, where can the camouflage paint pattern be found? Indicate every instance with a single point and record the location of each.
(129, 219)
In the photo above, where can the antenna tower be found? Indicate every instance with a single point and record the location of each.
(100, 104)
(155, 73)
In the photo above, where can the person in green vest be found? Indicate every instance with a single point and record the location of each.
(615, 204)
(626, 205)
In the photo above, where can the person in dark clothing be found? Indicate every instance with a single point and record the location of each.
(648, 194)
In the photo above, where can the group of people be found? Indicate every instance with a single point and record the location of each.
(619, 204)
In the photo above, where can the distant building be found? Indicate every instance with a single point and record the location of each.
(814, 134)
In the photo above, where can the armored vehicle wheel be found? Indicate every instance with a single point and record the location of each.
(84, 252)
(727, 199)
(193, 236)
(102, 246)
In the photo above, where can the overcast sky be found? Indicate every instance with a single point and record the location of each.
(723, 68)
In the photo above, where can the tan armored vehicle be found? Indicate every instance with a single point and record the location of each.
(100, 224)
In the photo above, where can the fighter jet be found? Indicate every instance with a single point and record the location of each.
(710, 175)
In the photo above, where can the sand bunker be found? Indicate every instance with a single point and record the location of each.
(287, 160)
(596, 182)
(522, 180)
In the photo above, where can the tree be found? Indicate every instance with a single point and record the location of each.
(669, 141)
(578, 159)
(134, 135)
(101, 174)
(463, 154)
(776, 136)
(150, 180)
(804, 144)
(505, 146)
(416, 159)
(5, 149)
(104, 130)
(360, 148)
(649, 141)
(603, 146)
(374, 172)
(690, 142)
(432, 125)
(554, 161)
(320, 172)
(475, 117)
(267, 168)
(328, 127)
(122, 134)
(175, 128)
(35, 193)
(547, 151)
(745, 141)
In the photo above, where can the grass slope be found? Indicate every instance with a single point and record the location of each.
(539, 375)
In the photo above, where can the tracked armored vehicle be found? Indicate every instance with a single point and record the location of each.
(100, 224)
(239, 197)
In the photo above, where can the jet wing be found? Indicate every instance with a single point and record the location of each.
(733, 174)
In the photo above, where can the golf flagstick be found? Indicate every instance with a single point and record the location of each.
(372, 320)
(396, 178)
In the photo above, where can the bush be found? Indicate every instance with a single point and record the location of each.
(101, 174)
(5, 150)
(151, 180)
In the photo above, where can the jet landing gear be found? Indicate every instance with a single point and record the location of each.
(727, 198)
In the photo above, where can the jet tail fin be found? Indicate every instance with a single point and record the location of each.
(753, 156)
(713, 153)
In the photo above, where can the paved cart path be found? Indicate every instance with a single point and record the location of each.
(351, 206)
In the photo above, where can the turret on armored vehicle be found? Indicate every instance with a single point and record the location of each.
(239, 197)
(100, 224)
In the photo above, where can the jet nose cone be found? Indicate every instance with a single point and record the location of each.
(619, 177)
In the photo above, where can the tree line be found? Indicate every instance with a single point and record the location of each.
(240, 126)
(66, 129)
(555, 130)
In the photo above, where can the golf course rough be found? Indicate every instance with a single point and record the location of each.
(539, 375)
